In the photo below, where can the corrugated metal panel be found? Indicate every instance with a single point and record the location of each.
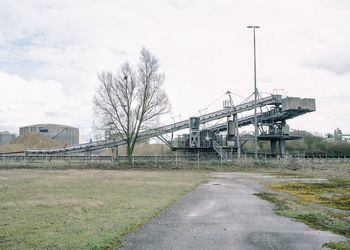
(231, 129)
(308, 103)
(291, 103)
(194, 122)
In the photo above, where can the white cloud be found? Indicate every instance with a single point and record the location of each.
(204, 47)
(30, 102)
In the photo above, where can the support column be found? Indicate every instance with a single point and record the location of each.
(194, 123)
(282, 145)
(194, 139)
(273, 144)
(230, 130)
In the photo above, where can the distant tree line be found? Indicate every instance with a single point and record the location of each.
(309, 144)
(317, 145)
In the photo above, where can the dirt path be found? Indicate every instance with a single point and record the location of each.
(224, 214)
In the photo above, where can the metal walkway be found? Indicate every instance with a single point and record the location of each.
(147, 134)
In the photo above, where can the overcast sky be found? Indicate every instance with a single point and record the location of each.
(51, 53)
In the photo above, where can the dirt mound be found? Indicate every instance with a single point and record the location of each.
(29, 140)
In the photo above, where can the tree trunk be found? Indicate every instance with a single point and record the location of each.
(129, 153)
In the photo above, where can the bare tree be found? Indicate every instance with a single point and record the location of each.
(132, 99)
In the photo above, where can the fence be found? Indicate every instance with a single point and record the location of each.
(173, 159)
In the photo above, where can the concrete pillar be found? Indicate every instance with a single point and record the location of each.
(282, 145)
(273, 146)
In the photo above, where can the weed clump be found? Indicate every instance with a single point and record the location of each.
(341, 245)
(335, 193)
(323, 205)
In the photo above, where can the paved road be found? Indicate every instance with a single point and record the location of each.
(224, 214)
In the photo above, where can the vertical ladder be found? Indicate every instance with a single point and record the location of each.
(220, 151)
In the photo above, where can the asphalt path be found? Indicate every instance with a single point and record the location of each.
(225, 214)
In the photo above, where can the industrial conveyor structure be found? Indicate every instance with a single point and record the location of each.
(211, 138)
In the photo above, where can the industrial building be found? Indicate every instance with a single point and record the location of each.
(6, 137)
(339, 136)
(63, 133)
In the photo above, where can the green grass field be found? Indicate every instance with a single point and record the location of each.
(83, 209)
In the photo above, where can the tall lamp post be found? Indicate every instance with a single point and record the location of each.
(255, 97)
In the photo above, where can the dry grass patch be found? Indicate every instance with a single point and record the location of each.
(83, 209)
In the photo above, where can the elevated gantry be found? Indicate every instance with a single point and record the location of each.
(278, 130)
(220, 138)
(272, 127)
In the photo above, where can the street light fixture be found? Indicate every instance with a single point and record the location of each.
(255, 96)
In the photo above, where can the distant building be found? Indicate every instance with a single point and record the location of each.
(63, 133)
(339, 136)
(6, 137)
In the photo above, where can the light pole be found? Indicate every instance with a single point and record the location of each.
(255, 96)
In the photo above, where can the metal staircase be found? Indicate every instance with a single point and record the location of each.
(220, 151)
